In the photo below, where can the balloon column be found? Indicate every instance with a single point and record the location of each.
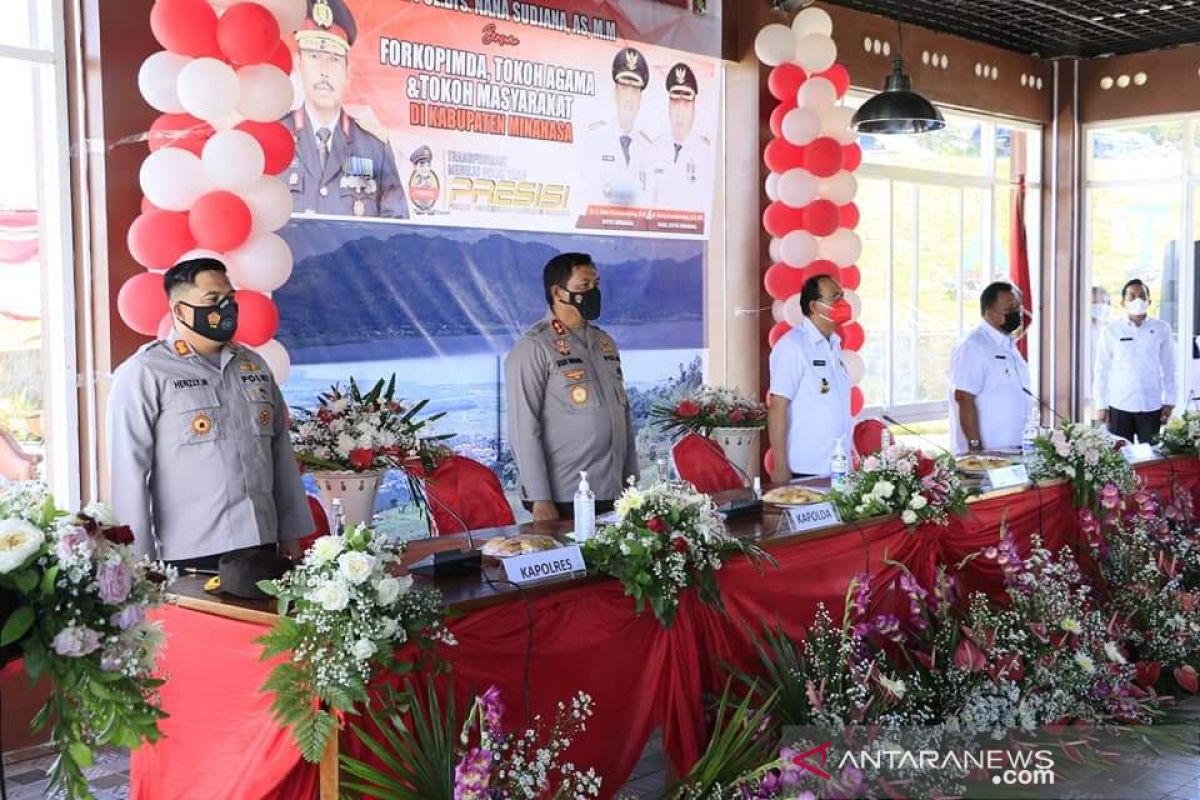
(221, 84)
(811, 216)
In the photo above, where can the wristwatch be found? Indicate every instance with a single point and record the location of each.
(974, 444)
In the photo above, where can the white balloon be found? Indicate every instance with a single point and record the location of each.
(276, 356)
(777, 311)
(855, 303)
(262, 263)
(158, 78)
(289, 13)
(812, 20)
(774, 45)
(173, 178)
(839, 188)
(233, 160)
(817, 93)
(798, 187)
(228, 122)
(208, 89)
(201, 252)
(270, 203)
(843, 247)
(816, 52)
(772, 186)
(835, 122)
(792, 313)
(801, 125)
(266, 93)
(855, 366)
(799, 249)
(773, 249)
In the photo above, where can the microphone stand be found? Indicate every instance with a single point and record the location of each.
(893, 421)
(452, 562)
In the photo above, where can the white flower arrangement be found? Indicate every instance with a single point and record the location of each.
(1086, 457)
(901, 480)
(1181, 436)
(343, 612)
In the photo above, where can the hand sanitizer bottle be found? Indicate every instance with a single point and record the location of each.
(339, 517)
(585, 510)
(838, 465)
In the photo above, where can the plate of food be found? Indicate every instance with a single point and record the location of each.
(519, 545)
(793, 496)
(980, 465)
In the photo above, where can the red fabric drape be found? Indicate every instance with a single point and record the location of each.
(1019, 261)
(461, 490)
(702, 463)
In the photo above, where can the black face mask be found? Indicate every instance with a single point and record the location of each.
(218, 322)
(587, 302)
(1012, 321)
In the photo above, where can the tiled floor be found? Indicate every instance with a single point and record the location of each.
(109, 778)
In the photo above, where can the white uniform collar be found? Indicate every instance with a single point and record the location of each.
(810, 330)
(998, 337)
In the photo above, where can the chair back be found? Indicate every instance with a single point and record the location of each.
(701, 462)
(463, 491)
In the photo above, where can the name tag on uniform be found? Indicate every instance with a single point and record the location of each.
(818, 363)
(810, 518)
(1137, 453)
(1001, 358)
(546, 564)
(1008, 477)
(1126, 338)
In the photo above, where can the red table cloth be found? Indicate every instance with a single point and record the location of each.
(221, 742)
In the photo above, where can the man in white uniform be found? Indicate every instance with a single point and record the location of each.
(1134, 376)
(989, 381)
(684, 155)
(810, 390)
(618, 161)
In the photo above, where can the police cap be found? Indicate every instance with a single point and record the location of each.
(630, 68)
(328, 26)
(422, 153)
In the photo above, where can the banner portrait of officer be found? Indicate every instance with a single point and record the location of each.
(423, 185)
(619, 158)
(341, 167)
(684, 156)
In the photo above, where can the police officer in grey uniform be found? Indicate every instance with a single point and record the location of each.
(567, 407)
(622, 150)
(340, 166)
(684, 156)
(200, 457)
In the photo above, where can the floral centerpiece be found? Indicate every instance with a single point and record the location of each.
(1086, 457)
(342, 612)
(667, 538)
(80, 601)
(707, 408)
(1181, 436)
(904, 481)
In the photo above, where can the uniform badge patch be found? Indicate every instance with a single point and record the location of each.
(558, 328)
(247, 366)
(607, 347)
(264, 417)
(182, 348)
(579, 394)
(575, 375)
(201, 424)
(824, 386)
(562, 346)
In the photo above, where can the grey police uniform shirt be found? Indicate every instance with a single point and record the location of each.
(359, 178)
(568, 411)
(200, 457)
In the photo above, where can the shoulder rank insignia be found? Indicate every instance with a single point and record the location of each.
(201, 424)
(575, 375)
(562, 346)
(579, 394)
(182, 348)
(607, 347)
(558, 327)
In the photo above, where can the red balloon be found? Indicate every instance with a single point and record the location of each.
(820, 267)
(219, 221)
(857, 401)
(769, 462)
(781, 281)
(848, 216)
(839, 76)
(247, 33)
(852, 335)
(147, 206)
(784, 81)
(186, 27)
(779, 218)
(821, 217)
(851, 157)
(823, 156)
(282, 58)
(277, 143)
(179, 130)
(778, 331)
(777, 116)
(141, 302)
(850, 278)
(157, 239)
(780, 155)
(258, 318)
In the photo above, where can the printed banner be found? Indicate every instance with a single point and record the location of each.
(511, 115)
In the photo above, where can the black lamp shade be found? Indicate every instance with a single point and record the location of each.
(897, 109)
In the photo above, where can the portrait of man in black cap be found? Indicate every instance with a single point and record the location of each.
(684, 156)
(341, 166)
(423, 185)
(620, 155)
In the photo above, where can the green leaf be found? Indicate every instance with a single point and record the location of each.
(17, 625)
(49, 578)
(268, 588)
(81, 754)
(26, 581)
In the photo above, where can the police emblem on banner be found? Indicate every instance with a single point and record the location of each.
(424, 186)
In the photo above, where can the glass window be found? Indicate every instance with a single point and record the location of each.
(27, 24)
(1136, 152)
(957, 148)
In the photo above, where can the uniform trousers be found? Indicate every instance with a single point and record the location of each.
(1127, 423)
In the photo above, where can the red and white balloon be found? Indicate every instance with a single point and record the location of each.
(221, 83)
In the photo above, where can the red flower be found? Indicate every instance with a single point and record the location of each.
(118, 534)
(969, 657)
(688, 409)
(1187, 678)
(681, 546)
(1146, 673)
(737, 416)
(657, 525)
(324, 416)
(362, 458)
(925, 467)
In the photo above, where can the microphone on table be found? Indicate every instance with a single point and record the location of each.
(893, 421)
(452, 562)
